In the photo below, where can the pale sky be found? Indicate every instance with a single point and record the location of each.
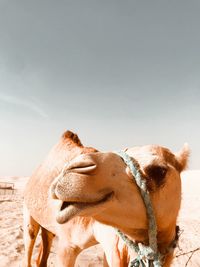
(118, 73)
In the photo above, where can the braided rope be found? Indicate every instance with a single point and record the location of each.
(148, 254)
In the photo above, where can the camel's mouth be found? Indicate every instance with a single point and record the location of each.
(70, 209)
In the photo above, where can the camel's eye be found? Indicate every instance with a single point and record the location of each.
(156, 173)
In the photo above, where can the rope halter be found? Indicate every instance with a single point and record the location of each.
(147, 255)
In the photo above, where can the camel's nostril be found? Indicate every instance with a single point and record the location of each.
(82, 165)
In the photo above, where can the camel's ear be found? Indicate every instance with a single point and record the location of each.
(182, 157)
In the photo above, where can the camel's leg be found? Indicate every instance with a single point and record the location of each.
(45, 246)
(74, 236)
(105, 263)
(168, 260)
(31, 228)
(39, 256)
(67, 255)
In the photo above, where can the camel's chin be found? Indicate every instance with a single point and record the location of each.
(68, 210)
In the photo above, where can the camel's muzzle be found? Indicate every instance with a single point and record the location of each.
(69, 209)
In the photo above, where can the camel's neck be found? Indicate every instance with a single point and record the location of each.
(166, 244)
(166, 240)
(164, 236)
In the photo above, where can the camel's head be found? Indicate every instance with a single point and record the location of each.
(100, 185)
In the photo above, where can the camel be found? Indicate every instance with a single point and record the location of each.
(81, 196)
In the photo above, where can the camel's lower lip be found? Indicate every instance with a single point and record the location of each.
(70, 209)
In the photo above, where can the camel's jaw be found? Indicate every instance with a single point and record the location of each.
(70, 209)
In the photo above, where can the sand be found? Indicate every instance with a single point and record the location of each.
(11, 230)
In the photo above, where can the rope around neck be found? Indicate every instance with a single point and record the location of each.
(146, 254)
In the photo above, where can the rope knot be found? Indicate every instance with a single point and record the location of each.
(146, 256)
(146, 252)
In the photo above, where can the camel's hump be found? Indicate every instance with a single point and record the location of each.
(69, 135)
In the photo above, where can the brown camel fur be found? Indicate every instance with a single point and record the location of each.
(38, 205)
(95, 191)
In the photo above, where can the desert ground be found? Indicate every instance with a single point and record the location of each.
(11, 229)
